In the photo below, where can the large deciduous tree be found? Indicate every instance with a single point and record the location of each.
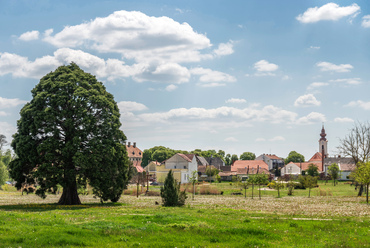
(68, 135)
(356, 145)
(294, 157)
(248, 156)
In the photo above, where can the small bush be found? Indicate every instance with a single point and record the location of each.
(293, 225)
(153, 193)
(208, 190)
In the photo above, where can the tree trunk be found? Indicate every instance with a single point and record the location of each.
(367, 193)
(309, 192)
(259, 190)
(70, 195)
(360, 191)
(252, 189)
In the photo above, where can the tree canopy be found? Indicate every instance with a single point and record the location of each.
(334, 172)
(69, 135)
(362, 176)
(248, 156)
(294, 157)
(313, 170)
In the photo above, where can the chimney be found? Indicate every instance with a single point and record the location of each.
(134, 144)
(129, 144)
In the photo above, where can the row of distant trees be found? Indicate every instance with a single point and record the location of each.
(161, 153)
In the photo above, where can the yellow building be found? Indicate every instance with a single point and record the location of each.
(182, 166)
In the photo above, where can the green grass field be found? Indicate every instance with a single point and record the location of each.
(339, 219)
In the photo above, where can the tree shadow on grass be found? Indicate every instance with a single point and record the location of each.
(54, 206)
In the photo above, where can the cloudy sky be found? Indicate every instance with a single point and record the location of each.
(259, 76)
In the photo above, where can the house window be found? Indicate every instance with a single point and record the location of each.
(184, 166)
(175, 166)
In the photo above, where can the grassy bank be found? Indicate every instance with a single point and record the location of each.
(208, 221)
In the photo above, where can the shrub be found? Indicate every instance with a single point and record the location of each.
(153, 193)
(170, 192)
(207, 190)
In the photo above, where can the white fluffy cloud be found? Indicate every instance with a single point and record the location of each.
(366, 21)
(326, 66)
(316, 85)
(311, 118)
(210, 78)
(224, 49)
(343, 120)
(265, 66)
(350, 81)
(9, 103)
(111, 69)
(136, 36)
(171, 87)
(360, 104)
(31, 35)
(307, 101)
(129, 106)
(253, 113)
(235, 100)
(330, 12)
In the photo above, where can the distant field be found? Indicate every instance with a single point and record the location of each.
(340, 220)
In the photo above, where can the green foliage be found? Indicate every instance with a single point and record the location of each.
(3, 173)
(290, 186)
(228, 159)
(248, 156)
(157, 153)
(161, 153)
(334, 172)
(278, 185)
(312, 170)
(170, 192)
(211, 171)
(294, 157)
(308, 182)
(234, 157)
(68, 134)
(362, 176)
(260, 179)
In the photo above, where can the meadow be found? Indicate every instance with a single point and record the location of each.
(336, 219)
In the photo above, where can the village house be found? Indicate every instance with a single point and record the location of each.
(182, 166)
(274, 162)
(245, 168)
(135, 156)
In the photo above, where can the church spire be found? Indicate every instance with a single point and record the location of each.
(323, 134)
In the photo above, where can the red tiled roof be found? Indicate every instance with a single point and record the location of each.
(186, 156)
(190, 156)
(134, 152)
(137, 165)
(227, 173)
(249, 163)
(347, 167)
(316, 157)
(272, 156)
(304, 165)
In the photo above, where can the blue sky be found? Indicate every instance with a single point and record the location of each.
(259, 76)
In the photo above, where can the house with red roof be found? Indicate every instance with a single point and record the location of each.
(244, 169)
(274, 162)
(135, 155)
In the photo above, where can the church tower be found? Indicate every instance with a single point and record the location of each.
(323, 146)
